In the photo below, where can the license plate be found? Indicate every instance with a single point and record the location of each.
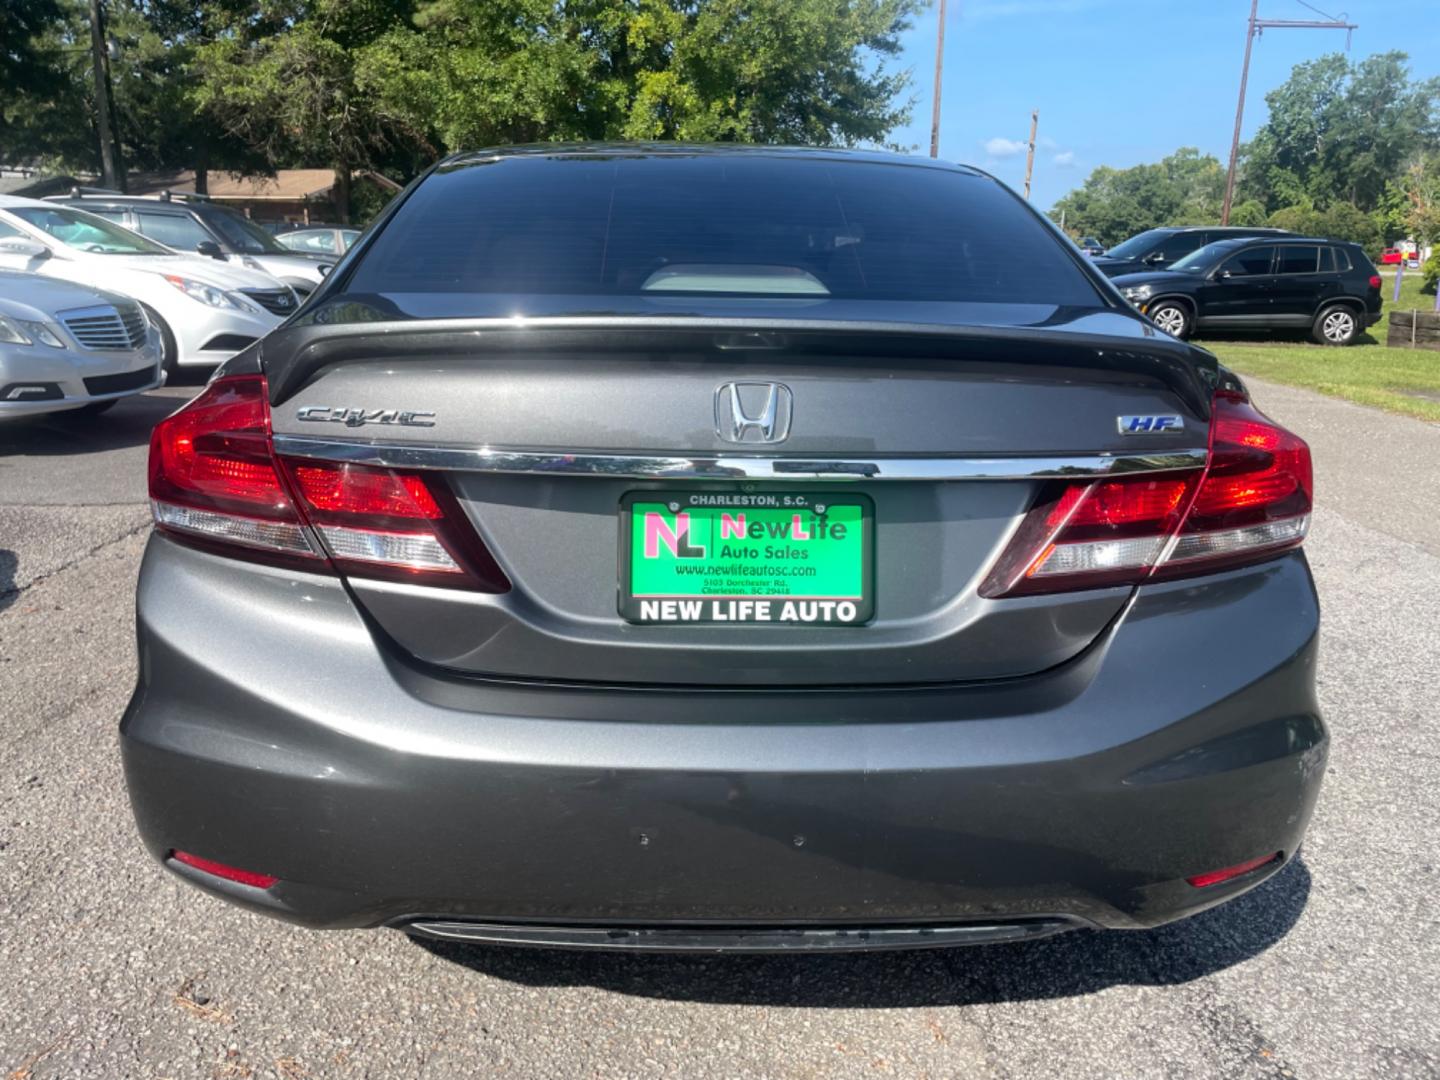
(783, 559)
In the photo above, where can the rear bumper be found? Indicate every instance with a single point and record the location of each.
(270, 731)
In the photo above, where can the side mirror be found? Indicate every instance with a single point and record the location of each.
(19, 245)
(325, 269)
(210, 248)
(1154, 258)
(1221, 275)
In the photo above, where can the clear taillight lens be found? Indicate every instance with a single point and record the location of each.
(1251, 500)
(216, 481)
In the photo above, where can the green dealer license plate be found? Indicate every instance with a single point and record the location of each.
(781, 558)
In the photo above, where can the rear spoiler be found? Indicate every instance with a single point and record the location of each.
(295, 354)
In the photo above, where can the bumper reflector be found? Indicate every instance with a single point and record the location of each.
(1215, 877)
(220, 870)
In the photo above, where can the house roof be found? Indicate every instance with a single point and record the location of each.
(287, 185)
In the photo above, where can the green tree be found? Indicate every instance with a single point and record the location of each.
(394, 83)
(46, 110)
(24, 65)
(291, 84)
(1417, 197)
(1250, 212)
(1345, 221)
(1339, 132)
(475, 72)
(1185, 188)
(51, 118)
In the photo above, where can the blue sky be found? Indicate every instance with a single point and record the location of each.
(1119, 82)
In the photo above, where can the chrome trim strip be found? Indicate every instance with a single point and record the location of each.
(731, 467)
(759, 939)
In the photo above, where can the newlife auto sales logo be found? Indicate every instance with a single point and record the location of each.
(786, 558)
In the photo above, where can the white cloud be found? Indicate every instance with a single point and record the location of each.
(1065, 159)
(1003, 148)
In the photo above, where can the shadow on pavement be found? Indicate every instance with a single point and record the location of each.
(9, 563)
(1072, 964)
(127, 424)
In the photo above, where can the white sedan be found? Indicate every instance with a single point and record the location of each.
(64, 347)
(205, 310)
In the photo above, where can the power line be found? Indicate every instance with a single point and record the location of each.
(1255, 28)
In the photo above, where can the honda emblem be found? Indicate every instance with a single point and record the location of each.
(753, 412)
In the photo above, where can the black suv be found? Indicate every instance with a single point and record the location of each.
(1156, 249)
(193, 223)
(1327, 286)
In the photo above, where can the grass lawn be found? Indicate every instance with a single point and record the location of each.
(1370, 374)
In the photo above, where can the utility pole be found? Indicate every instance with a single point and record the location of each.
(111, 172)
(935, 106)
(1030, 157)
(1254, 29)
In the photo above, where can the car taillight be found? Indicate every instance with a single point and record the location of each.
(1375, 281)
(1251, 500)
(216, 480)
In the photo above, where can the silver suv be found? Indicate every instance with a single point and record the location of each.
(192, 224)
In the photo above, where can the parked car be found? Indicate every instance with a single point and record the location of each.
(627, 548)
(1090, 246)
(205, 311)
(64, 347)
(1326, 286)
(193, 224)
(1156, 249)
(1392, 256)
(334, 242)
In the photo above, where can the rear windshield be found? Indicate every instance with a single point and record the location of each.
(1139, 244)
(761, 226)
(244, 235)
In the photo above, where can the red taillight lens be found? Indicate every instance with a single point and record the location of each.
(403, 526)
(1251, 500)
(214, 478)
(221, 870)
(1375, 281)
(348, 489)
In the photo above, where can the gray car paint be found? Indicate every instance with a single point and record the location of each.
(271, 729)
(393, 754)
(555, 537)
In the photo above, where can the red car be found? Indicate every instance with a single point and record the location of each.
(1392, 256)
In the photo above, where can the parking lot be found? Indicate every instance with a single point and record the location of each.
(113, 969)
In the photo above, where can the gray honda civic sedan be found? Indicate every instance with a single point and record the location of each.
(698, 547)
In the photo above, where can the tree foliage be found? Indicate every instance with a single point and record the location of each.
(256, 85)
(476, 72)
(1348, 150)
(1185, 188)
(1340, 132)
(51, 121)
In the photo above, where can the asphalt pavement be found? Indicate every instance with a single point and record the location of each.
(113, 969)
